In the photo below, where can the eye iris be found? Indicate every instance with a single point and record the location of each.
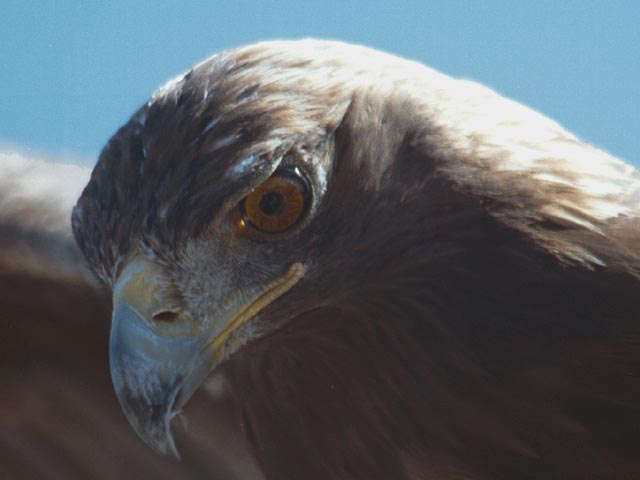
(271, 203)
(275, 205)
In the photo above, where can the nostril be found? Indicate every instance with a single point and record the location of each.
(167, 317)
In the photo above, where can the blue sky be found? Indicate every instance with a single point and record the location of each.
(71, 72)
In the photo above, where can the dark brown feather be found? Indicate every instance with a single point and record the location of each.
(471, 307)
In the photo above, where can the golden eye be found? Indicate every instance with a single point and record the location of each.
(277, 204)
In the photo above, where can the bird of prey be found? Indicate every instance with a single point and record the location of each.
(374, 269)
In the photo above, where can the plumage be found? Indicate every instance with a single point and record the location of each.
(459, 300)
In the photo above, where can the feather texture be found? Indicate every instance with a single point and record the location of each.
(59, 417)
(469, 307)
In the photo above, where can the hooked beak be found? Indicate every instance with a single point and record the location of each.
(159, 354)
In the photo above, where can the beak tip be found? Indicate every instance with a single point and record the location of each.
(166, 448)
(156, 434)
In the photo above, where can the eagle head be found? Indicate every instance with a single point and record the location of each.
(226, 207)
(334, 219)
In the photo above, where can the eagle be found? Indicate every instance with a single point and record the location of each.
(360, 268)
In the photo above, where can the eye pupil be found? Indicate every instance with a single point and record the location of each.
(271, 203)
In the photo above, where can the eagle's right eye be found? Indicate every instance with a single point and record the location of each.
(277, 204)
